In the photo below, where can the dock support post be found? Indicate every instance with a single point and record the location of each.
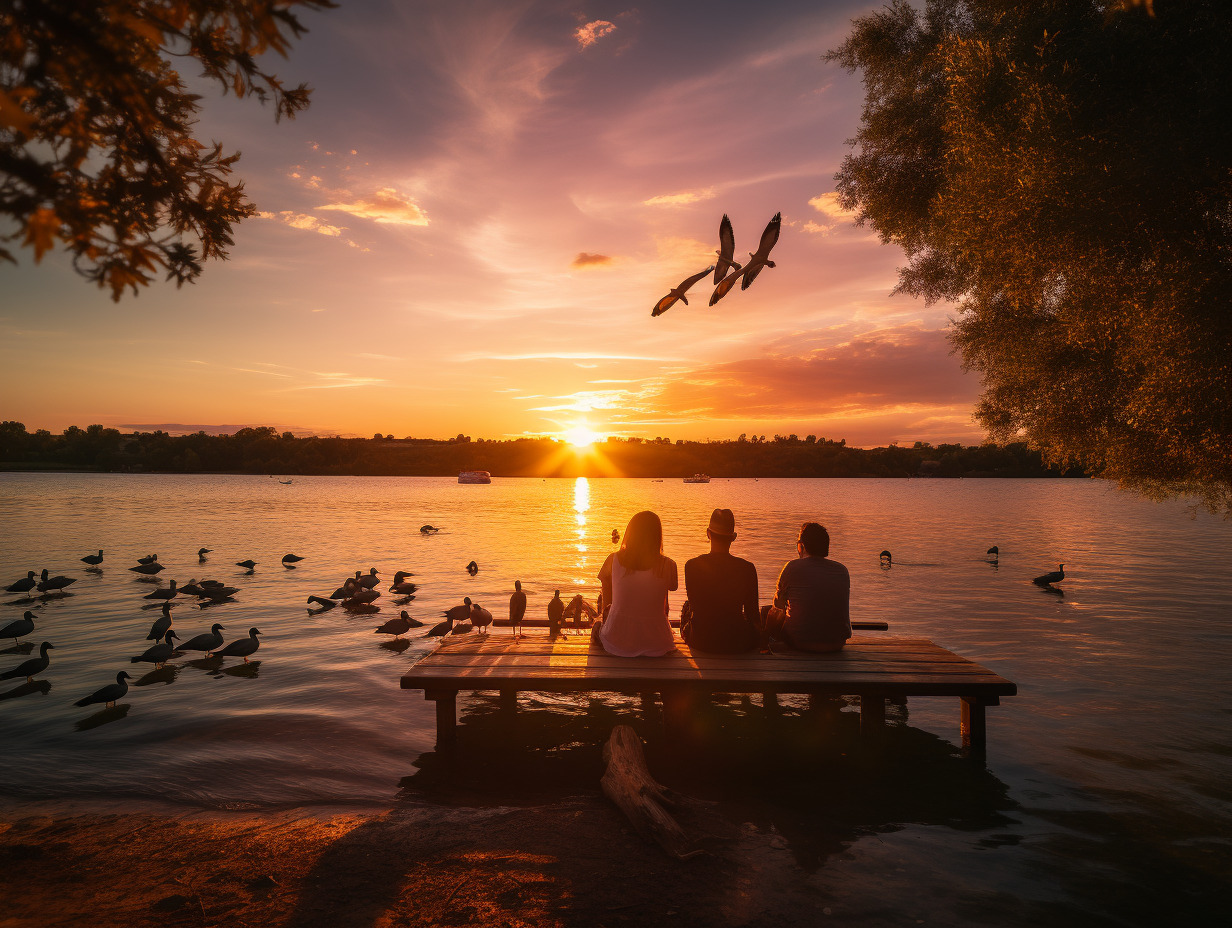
(446, 714)
(872, 713)
(974, 729)
(509, 700)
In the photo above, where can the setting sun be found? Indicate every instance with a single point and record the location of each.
(580, 436)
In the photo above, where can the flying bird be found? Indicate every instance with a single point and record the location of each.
(109, 693)
(678, 293)
(727, 248)
(757, 260)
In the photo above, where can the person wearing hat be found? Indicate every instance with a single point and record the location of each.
(812, 600)
(722, 594)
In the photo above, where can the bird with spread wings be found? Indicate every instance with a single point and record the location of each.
(757, 260)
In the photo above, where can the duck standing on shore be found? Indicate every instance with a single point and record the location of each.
(19, 628)
(109, 693)
(158, 654)
(33, 666)
(206, 641)
(517, 608)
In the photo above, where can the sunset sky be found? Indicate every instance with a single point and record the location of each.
(467, 230)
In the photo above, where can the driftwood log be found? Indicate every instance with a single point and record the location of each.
(628, 783)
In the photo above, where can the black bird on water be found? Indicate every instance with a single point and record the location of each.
(19, 628)
(23, 586)
(994, 554)
(202, 552)
(109, 693)
(206, 641)
(886, 558)
(399, 626)
(242, 647)
(149, 569)
(429, 529)
(33, 666)
(52, 584)
(248, 565)
(161, 624)
(1049, 579)
(289, 559)
(472, 568)
(322, 602)
(148, 559)
(93, 559)
(158, 654)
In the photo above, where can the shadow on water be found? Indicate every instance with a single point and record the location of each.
(165, 675)
(397, 645)
(24, 648)
(780, 769)
(247, 671)
(43, 687)
(210, 665)
(103, 716)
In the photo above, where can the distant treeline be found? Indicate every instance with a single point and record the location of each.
(264, 450)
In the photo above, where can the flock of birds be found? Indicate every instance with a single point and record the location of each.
(727, 271)
(165, 638)
(994, 558)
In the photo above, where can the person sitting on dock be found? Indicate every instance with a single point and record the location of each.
(636, 581)
(812, 601)
(723, 616)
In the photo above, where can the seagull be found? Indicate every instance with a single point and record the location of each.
(23, 586)
(242, 647)
(396, 627)
(35, 665)
(429, 529)
(160, 653)
(161, 624)
(289, 559)
(109, 693)
(149, 569)
(148, 559)
(168, 593)
(16, 629)
(1049, 579)
(368, 581)
(207, 641)
(481, 618)
(93, 559)
(727, 248)
(678, 293)
(202, 552)
(248, 565)
(322, 602)
(50, 584)
(517, 608)
(757, 260)
(472, 568)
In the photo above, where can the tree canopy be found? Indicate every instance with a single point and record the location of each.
(1062, 171)
(97, 149)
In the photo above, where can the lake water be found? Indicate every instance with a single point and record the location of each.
(1105, 797)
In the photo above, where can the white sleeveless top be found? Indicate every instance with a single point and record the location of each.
(636, 625)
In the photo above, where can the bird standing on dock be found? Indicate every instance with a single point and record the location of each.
(161, 624)
(678, 293)
(206, 641)
(93, 559)
(481, 618)
(458, 613)
(22, 586)
(517, 608)
(556, 614)
(19, 628)
(30, 668)
(158, 654)
(109, 693)
(1049, 579)
(757, 260)
(242, 647)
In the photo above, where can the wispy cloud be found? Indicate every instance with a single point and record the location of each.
(385, 205)
(302, 221)
(586, 259)
(684, 198)
(835, 216)
(589, 33)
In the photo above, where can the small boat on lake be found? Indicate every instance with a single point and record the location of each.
(474, 476)
(698, 478)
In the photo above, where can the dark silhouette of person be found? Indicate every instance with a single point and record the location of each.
(721, 615)
(812, 601)
(636, 581)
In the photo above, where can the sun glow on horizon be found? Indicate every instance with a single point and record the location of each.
(581, 437)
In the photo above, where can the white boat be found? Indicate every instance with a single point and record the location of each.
(474, 476)
(698, 478)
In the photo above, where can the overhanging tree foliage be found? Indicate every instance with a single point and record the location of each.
(96, 128)
(1062, 170)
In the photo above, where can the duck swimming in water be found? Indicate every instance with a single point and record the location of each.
(93, 559)
(109, 693)
(161, 624)
(160, 653)
(1049, 579)
(472, 568)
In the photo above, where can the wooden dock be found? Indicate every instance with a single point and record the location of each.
(874, 669)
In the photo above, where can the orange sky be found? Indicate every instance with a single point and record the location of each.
(468, 229)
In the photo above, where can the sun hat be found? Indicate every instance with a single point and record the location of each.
(722, 523)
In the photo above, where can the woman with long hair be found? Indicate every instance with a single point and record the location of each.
(636, 581)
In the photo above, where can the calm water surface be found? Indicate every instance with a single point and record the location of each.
(1105, 798)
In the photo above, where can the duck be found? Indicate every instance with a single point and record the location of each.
(727, 249)
(169, 593)
(401, 585)
(458, 613)
(441, 628)
(362, 597)
(472, 568)
(429, 529)
(411, 623)
(161, 624)
(757, 260)
(202, 552)
(216, 592)
(52, 584)
(1049, 579)
(396, 627)
(19, 627)
(93, 559)
(994, 554)
(369, 580)
(148, 559)
(481, 618)
(461, 628)
(345, 590)
(517, 608)
(678, 293)
(322, 602)
(289, 559)
(192, 588)
(242, 647)
(109, 693)
(886, 558)
(206, 641)
(248, 565)
(22, 586)
(160, 653)
(33, 666)
(148, 570)
(615, 536)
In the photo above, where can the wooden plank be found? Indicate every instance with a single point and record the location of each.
(870, 626)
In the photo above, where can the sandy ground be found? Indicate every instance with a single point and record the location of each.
(574, 862)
